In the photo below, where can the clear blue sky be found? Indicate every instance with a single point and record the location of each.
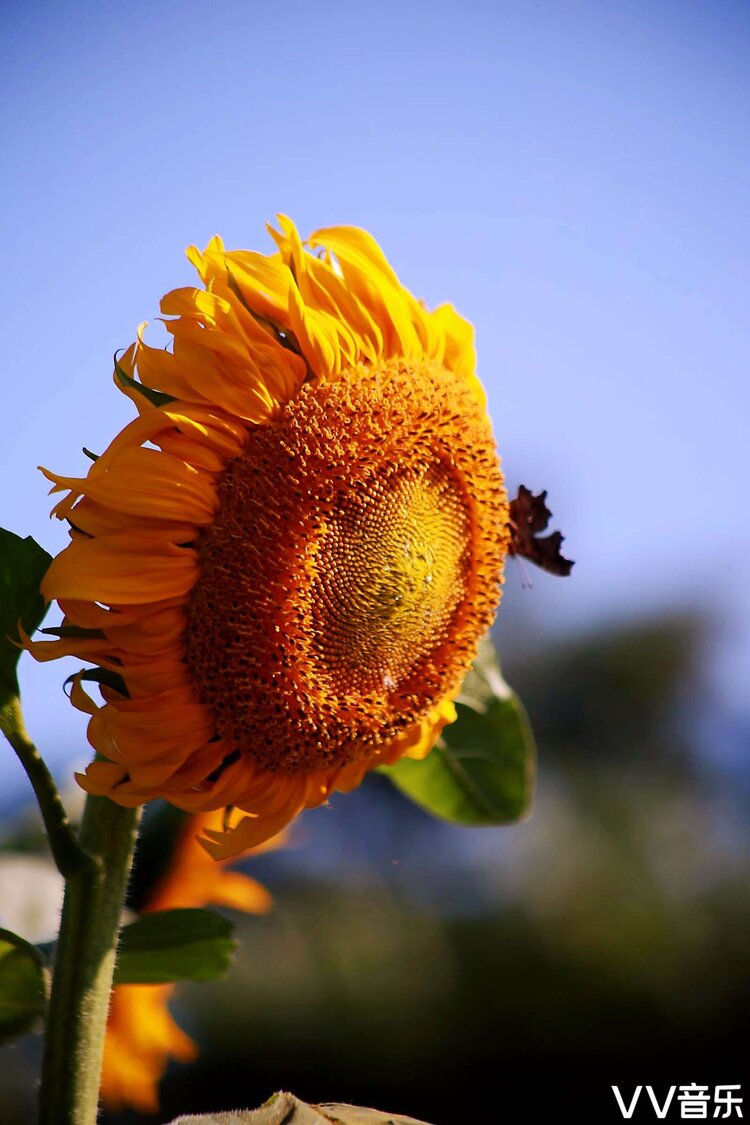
(575, 177)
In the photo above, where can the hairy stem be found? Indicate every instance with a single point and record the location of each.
(68, 854)
(84, 965)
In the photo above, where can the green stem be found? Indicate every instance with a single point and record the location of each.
(84, 965)
(66, 851)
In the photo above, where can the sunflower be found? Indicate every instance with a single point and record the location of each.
(284, 564)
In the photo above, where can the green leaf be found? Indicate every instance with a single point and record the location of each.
(174, 945)
(22, 986)
(481, 772)
(158, 398)
(23, 564)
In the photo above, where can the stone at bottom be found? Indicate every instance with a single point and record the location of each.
(285, 1109)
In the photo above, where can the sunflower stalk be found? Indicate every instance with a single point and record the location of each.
(67, 853)
(84, 965)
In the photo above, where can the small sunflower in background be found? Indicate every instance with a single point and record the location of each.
(284, 565)
(142, 1036)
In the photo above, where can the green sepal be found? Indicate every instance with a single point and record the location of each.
(23, 564)
(74, 632)
(23, 986)
(156, 398)
(481, 772)
(173, 945)
(100, 676)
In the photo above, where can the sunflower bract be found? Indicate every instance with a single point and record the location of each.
(290, 565)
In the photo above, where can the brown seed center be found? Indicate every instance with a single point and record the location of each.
(352, 567)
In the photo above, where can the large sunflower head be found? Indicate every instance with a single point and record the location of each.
(284, 564)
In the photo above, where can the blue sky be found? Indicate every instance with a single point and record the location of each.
(574, 177)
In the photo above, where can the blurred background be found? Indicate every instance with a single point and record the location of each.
(574, 177)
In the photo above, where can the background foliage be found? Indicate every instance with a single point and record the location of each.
(409, 963)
